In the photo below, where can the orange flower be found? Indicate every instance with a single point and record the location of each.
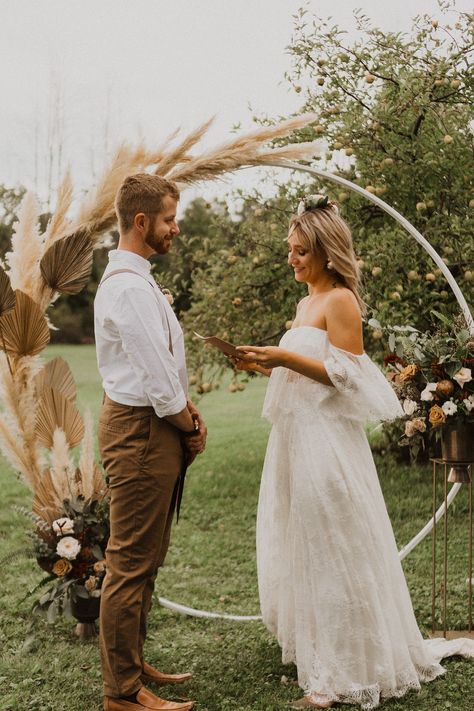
(409, 372)
(445, 388)
(62, 567)
(436, 416)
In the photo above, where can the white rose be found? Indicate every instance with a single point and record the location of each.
(463, 376)
(63, 526)
(68, 547)
(427, 393)
(409, 406)
(469, 403)
(449, 407)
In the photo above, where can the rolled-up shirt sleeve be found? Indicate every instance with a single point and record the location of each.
(141, 326)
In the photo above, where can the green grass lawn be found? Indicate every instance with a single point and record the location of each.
(211, 565)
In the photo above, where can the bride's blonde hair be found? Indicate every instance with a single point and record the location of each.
(322, 229)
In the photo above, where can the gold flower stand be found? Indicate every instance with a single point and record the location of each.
(460, 472)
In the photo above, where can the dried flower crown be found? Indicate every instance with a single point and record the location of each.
(312, 202)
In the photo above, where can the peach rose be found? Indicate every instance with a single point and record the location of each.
(409, 372)
(90, 583)
(99, 567)
(419, 424)
(410, 429)
(436, 416)
(62, 567)
(445, 388)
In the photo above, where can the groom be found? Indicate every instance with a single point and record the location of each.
(148, 432)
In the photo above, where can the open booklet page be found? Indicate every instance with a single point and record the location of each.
(223, 346)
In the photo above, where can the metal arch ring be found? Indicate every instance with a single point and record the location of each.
(193, 612)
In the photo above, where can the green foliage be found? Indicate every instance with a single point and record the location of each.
(401, 106)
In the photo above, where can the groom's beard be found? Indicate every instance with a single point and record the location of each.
(160, 245)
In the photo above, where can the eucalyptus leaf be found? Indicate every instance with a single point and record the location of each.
(97, 551)
(392, 342)
(399, 349)
(453, 367)
(53, 612)
(374, 323)
(80, 591)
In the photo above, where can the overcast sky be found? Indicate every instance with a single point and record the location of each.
(84, 74)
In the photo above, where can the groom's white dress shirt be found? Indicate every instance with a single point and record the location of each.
(134, 325)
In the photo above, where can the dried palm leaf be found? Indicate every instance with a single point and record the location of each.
(54, 411)
(25, 330)
(7, 295)
(56, 375)
(67, 264)
(243, 150)
(59, 225)
(100, 485)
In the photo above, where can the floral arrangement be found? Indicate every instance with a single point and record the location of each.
(432, 375)
(71, 550)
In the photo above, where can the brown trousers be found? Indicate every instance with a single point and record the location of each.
(142, 456)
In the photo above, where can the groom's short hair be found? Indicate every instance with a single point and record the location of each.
(142, 193)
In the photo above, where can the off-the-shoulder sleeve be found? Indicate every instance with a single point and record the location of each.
(361, 390)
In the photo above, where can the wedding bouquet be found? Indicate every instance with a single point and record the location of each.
(72, 551)
(432, 375)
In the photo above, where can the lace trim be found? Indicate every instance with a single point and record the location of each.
(370, 697)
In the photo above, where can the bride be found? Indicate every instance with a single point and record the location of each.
(331, 584)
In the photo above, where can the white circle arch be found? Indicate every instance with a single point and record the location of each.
(413, 232)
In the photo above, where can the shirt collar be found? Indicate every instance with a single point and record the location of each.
(122, 257)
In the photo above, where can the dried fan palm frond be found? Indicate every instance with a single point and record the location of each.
(7, 295)
(177, 154)
(46, 501)
(56, 375)
(67, 264)
(24, 329)
(59, 225)
(26, 246)
(234, 154)
(54, 411)
(100, 485)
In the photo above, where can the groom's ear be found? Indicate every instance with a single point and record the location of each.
(140, 222)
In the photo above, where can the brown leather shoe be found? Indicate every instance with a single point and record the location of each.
(146, 701)
(151, 675)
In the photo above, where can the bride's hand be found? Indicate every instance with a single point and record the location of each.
(240, 364)
(266, 356)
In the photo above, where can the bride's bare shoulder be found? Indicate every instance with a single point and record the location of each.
(342, 300)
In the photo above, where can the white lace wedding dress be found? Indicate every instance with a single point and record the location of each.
(331, 585)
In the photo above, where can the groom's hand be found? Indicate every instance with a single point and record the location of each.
(197, 443)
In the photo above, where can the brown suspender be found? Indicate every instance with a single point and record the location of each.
(131, 271)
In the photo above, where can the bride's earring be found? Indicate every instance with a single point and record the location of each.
(329, 266)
